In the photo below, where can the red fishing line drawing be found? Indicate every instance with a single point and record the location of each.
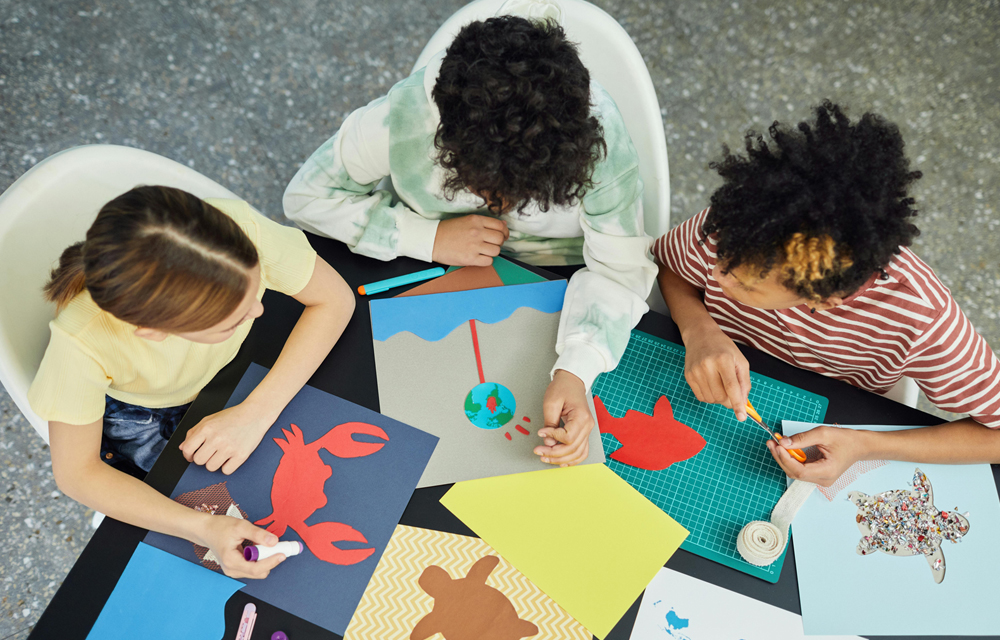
(488, 405)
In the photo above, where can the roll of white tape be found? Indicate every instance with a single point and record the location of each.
(761, 543)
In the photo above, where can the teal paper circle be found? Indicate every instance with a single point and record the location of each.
(490, 405)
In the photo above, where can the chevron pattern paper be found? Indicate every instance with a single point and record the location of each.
(393, 603)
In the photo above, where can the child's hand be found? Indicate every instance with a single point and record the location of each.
(224, 535)
(717, 371)
(224, 440)
(840, 448)
(565, 401)
(469, 240)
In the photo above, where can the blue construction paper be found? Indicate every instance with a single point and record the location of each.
(842, 592)
(368, 493)
(434, 316)
(161, 597)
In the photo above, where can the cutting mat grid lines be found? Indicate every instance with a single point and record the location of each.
(734, 479)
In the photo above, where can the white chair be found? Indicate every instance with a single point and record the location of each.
(616, 64)
(49, 208)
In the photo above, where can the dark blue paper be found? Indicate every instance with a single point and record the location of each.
(368, 493)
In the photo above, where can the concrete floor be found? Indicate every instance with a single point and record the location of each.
(245, 91)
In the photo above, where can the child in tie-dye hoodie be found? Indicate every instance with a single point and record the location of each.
(506, 124)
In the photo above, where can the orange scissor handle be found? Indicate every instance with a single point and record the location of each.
(795, 453)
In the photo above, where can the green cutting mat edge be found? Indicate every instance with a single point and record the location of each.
(733, 480)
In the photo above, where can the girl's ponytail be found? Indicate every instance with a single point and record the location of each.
(68, 279)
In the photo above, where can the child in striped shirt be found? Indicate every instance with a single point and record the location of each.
(803, 254)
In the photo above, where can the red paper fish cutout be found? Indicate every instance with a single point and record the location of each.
(649, 442)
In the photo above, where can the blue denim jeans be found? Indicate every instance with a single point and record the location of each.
(134, 436)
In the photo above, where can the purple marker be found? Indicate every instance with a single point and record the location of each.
(279, 635)
(260, 552)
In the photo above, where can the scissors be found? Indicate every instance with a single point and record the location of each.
(795, 453)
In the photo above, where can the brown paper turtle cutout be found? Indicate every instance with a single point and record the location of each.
(468, 608)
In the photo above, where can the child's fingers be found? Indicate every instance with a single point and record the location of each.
(233, 464)
(814, 437)
(559, 434)
(792, 467)
(242, 568)
(255, 534)
(567, 454)
(216, 460)
(191, 444)
(733, 389)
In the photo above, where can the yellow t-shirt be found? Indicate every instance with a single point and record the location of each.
(92, 353)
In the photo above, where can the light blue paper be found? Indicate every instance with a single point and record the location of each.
(162, 597)
(842, 592)
(434, 316)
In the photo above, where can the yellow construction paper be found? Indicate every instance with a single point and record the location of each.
(583, 535)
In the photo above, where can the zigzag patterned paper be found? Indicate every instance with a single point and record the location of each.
(393, 603)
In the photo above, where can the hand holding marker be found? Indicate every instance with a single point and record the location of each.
(257, 552)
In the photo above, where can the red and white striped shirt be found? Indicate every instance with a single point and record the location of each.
(906, 324)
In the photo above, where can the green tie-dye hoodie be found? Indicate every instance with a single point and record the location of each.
(334, 194)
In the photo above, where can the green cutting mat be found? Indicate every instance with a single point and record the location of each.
(734, 479)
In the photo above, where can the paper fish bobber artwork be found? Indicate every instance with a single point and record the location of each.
(650, 442)
(468, 608)
(905, 522)
(298, 491)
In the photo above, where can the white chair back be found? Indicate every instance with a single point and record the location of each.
(616, 64)
(47, 209)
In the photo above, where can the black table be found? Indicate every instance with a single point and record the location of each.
(349, 372)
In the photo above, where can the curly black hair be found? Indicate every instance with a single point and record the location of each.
(516, 120)
(826, 203)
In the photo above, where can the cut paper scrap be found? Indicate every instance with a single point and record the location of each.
(161, 597)
(394, 602)
(650, 442)
(510, 273)
(463, 279)
(214, 500)
(859, 468)
(480, 387)
(679, 607)
(905, 522)
(581, 534)
(761, 542)
(833, 578)
(337, 481)
(434, 317)
(298, 489)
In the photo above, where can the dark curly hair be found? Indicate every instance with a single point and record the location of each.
(825, 203)
(516, 120)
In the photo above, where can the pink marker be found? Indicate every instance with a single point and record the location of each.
(247, 622)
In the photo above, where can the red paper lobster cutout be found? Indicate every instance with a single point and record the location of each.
(649, 442)
(297, 491)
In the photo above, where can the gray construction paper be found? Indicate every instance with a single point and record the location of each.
(424, 384)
